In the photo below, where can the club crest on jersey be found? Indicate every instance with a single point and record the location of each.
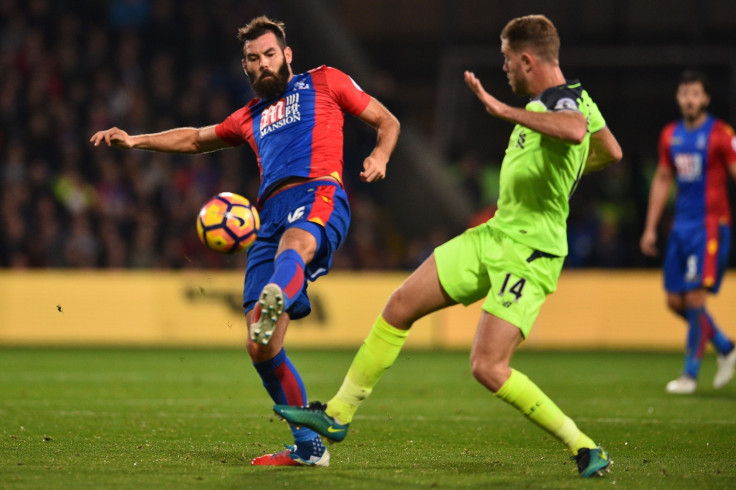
(280, 113)
(701, 142)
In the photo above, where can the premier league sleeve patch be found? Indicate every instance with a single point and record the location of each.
(566, 104)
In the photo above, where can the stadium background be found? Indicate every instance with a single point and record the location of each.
(92, 239)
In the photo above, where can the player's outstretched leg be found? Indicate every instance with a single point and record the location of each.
(266, 314)
(378, 352)
(313, 416)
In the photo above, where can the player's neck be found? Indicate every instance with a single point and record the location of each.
(695, 122)
(550, 76)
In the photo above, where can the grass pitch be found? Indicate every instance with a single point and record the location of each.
(117, 418)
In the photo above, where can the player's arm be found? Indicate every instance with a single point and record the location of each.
(180, 140)
(658, 194)
(569, 126)
(604, 150)
(387, 128)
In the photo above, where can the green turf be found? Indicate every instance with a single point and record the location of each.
(76, 418)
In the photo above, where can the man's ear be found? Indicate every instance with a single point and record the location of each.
(288, 54)
(527, 61)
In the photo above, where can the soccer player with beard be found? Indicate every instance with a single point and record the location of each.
(295, 128)
(699, 152)
(513, 261)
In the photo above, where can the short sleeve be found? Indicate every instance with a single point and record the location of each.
(229, 130)
(348, 94)
(596, 122)
(665, 160)
(727, 140)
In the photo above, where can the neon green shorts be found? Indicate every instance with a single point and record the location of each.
(484, 262)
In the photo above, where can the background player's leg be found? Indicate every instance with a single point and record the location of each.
(709, 331)
(684, 384)
(697, 338)
(699, 331)
(721, 342)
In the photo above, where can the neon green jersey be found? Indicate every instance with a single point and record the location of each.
(539, 173)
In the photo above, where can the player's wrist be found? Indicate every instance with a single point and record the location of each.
(134, 142)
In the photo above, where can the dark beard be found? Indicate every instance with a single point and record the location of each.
(272, 87)
(701, 110)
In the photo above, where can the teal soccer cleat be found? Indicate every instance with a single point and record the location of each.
(313, 416)
(593, 462)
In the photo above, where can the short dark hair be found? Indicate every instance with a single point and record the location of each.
(536, 32)
(694, 76)
(260, 26)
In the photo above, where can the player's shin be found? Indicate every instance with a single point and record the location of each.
(697, 338)
(378, 352)
(288, 275)
(285, 386)
(520, 392)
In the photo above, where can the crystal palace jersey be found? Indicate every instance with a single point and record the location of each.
(301, 133)
(699, 159)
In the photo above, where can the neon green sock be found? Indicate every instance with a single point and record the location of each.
(520, 392)
(378, 353)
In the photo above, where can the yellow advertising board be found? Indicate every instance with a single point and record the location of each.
(591, 309)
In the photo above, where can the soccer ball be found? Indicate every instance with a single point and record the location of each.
(228, 223)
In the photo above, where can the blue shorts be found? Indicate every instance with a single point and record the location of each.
(319, 207)
(696, 257)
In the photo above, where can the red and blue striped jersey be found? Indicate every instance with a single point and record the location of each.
(301, 133)
(699, 159)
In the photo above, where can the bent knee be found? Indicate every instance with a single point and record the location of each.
(676, 303)
(398, 310)
(262, 353)
(491, 374)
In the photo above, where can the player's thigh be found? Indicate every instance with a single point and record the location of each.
(674, 265)
(460, 265)
(717, 255)
(258, 270)
(420, 294)
(521, 278)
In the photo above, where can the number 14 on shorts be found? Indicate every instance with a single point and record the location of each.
(513, 286)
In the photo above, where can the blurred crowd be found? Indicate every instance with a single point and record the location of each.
(71, 68)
